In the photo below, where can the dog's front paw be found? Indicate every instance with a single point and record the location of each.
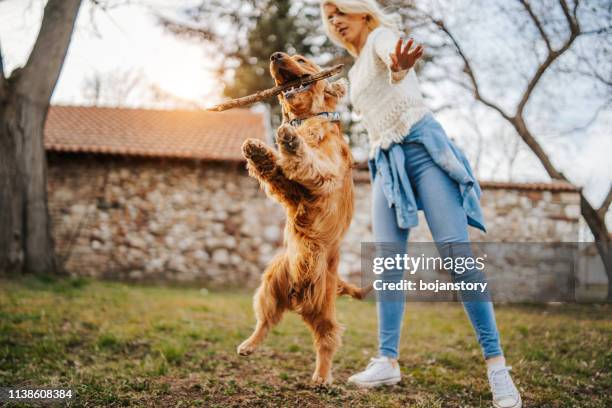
(246, 348)
(287, 139)
(259, 154)
(255, 150)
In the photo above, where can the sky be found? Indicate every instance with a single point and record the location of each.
(129, 39)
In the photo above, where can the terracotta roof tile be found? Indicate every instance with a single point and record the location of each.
(364, 177)
(160, 133)
(181, 134)
(560, 186)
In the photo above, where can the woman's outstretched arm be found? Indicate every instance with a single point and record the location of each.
(398, 58)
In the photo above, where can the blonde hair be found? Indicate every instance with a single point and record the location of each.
(378, 17)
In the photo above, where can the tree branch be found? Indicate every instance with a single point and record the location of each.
(468, 70)
(597, 31)
(517, 121)
(525, 134)
(550, 58)
(593, 74)
(537, 23)
(601, 211)
(575, 10)
(184, 31)
(40, 74)
(571, 21)
(589, 122)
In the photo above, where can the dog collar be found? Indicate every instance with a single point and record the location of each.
(330, 116)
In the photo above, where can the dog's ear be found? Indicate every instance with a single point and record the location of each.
(336, 89)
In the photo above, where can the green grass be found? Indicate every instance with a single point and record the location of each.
(118, 345)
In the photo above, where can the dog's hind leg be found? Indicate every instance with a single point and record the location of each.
(268, 304)
(327, 338)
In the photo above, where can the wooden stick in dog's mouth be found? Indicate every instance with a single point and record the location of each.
(268, 93)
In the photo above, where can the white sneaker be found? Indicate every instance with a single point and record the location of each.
(505, 393)
(380, 371)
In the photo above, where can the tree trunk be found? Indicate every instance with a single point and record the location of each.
(12, 198)
(598, 227)
(595, 221)
(26, 242)
(23, 190)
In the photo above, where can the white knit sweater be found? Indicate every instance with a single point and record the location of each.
(388, 102)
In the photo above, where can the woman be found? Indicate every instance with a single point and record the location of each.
(413, 166)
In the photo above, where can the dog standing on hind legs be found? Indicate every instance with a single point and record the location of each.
(311, 177)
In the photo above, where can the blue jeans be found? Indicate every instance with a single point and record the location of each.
(447, 220)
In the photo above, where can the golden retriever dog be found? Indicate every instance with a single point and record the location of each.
(311, 177)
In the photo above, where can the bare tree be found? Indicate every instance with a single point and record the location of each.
(511, 147)
(112, 88)
(161, 99)
(557, 26)
(26, 243)
(130, 87)
(92, 89)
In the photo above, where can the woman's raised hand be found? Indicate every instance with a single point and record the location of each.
(404, 57)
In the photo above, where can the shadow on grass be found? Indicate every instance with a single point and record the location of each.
(49, 283)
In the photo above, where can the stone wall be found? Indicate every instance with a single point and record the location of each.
(205, 222)
(161, 220)
(512, 212)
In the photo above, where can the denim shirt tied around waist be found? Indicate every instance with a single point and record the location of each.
(390, 165)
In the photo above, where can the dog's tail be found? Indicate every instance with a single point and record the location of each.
(345, 288)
